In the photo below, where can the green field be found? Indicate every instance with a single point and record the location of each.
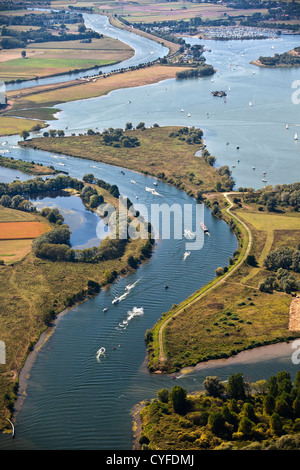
(11, 125)
(26, 69)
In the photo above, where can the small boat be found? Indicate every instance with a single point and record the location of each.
(264, 180)
(286, 126)
(229, 88)
(233, 166)
(189, 115)
(253, 168)
(250, 104)
(296, 136)
(186, 254)
(132, 181)
(105, 309)
(101, 351)
(166, 286)
(237, 148)
(155, 184)
(136, 197)
(204, 227)
(182, 111)
(116, 301)
(4, 143)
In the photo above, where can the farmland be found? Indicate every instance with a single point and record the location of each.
(52, 58)
(17, 230)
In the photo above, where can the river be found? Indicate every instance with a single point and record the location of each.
(72, 400)
(144, 51)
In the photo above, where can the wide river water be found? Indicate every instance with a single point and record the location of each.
(75, 402)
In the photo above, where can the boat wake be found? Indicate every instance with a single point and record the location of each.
(128, 288)
(152, 190)
(135, 312)
(189, 234)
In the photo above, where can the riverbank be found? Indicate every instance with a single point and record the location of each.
(241, 315)
(11, 125)
(31, 307)
(47, 96)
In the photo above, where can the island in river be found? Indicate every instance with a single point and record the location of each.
(30, 168)
(287, 59)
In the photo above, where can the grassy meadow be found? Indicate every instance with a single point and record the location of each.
(157, 154)
(10, 125)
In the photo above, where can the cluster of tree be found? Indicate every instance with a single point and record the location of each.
(54, 245)
(284, 281)
(280, 60)
(190, 134)
(41, 20)
(15, 38)
(283, 257)
(111, 188)
(91, 197)
(51, 133)
(201, 71)
(283, 260)
(52, 215)
(279, 196)
(117, 138)
(235, 412)
(39, 185)
(17, 202)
